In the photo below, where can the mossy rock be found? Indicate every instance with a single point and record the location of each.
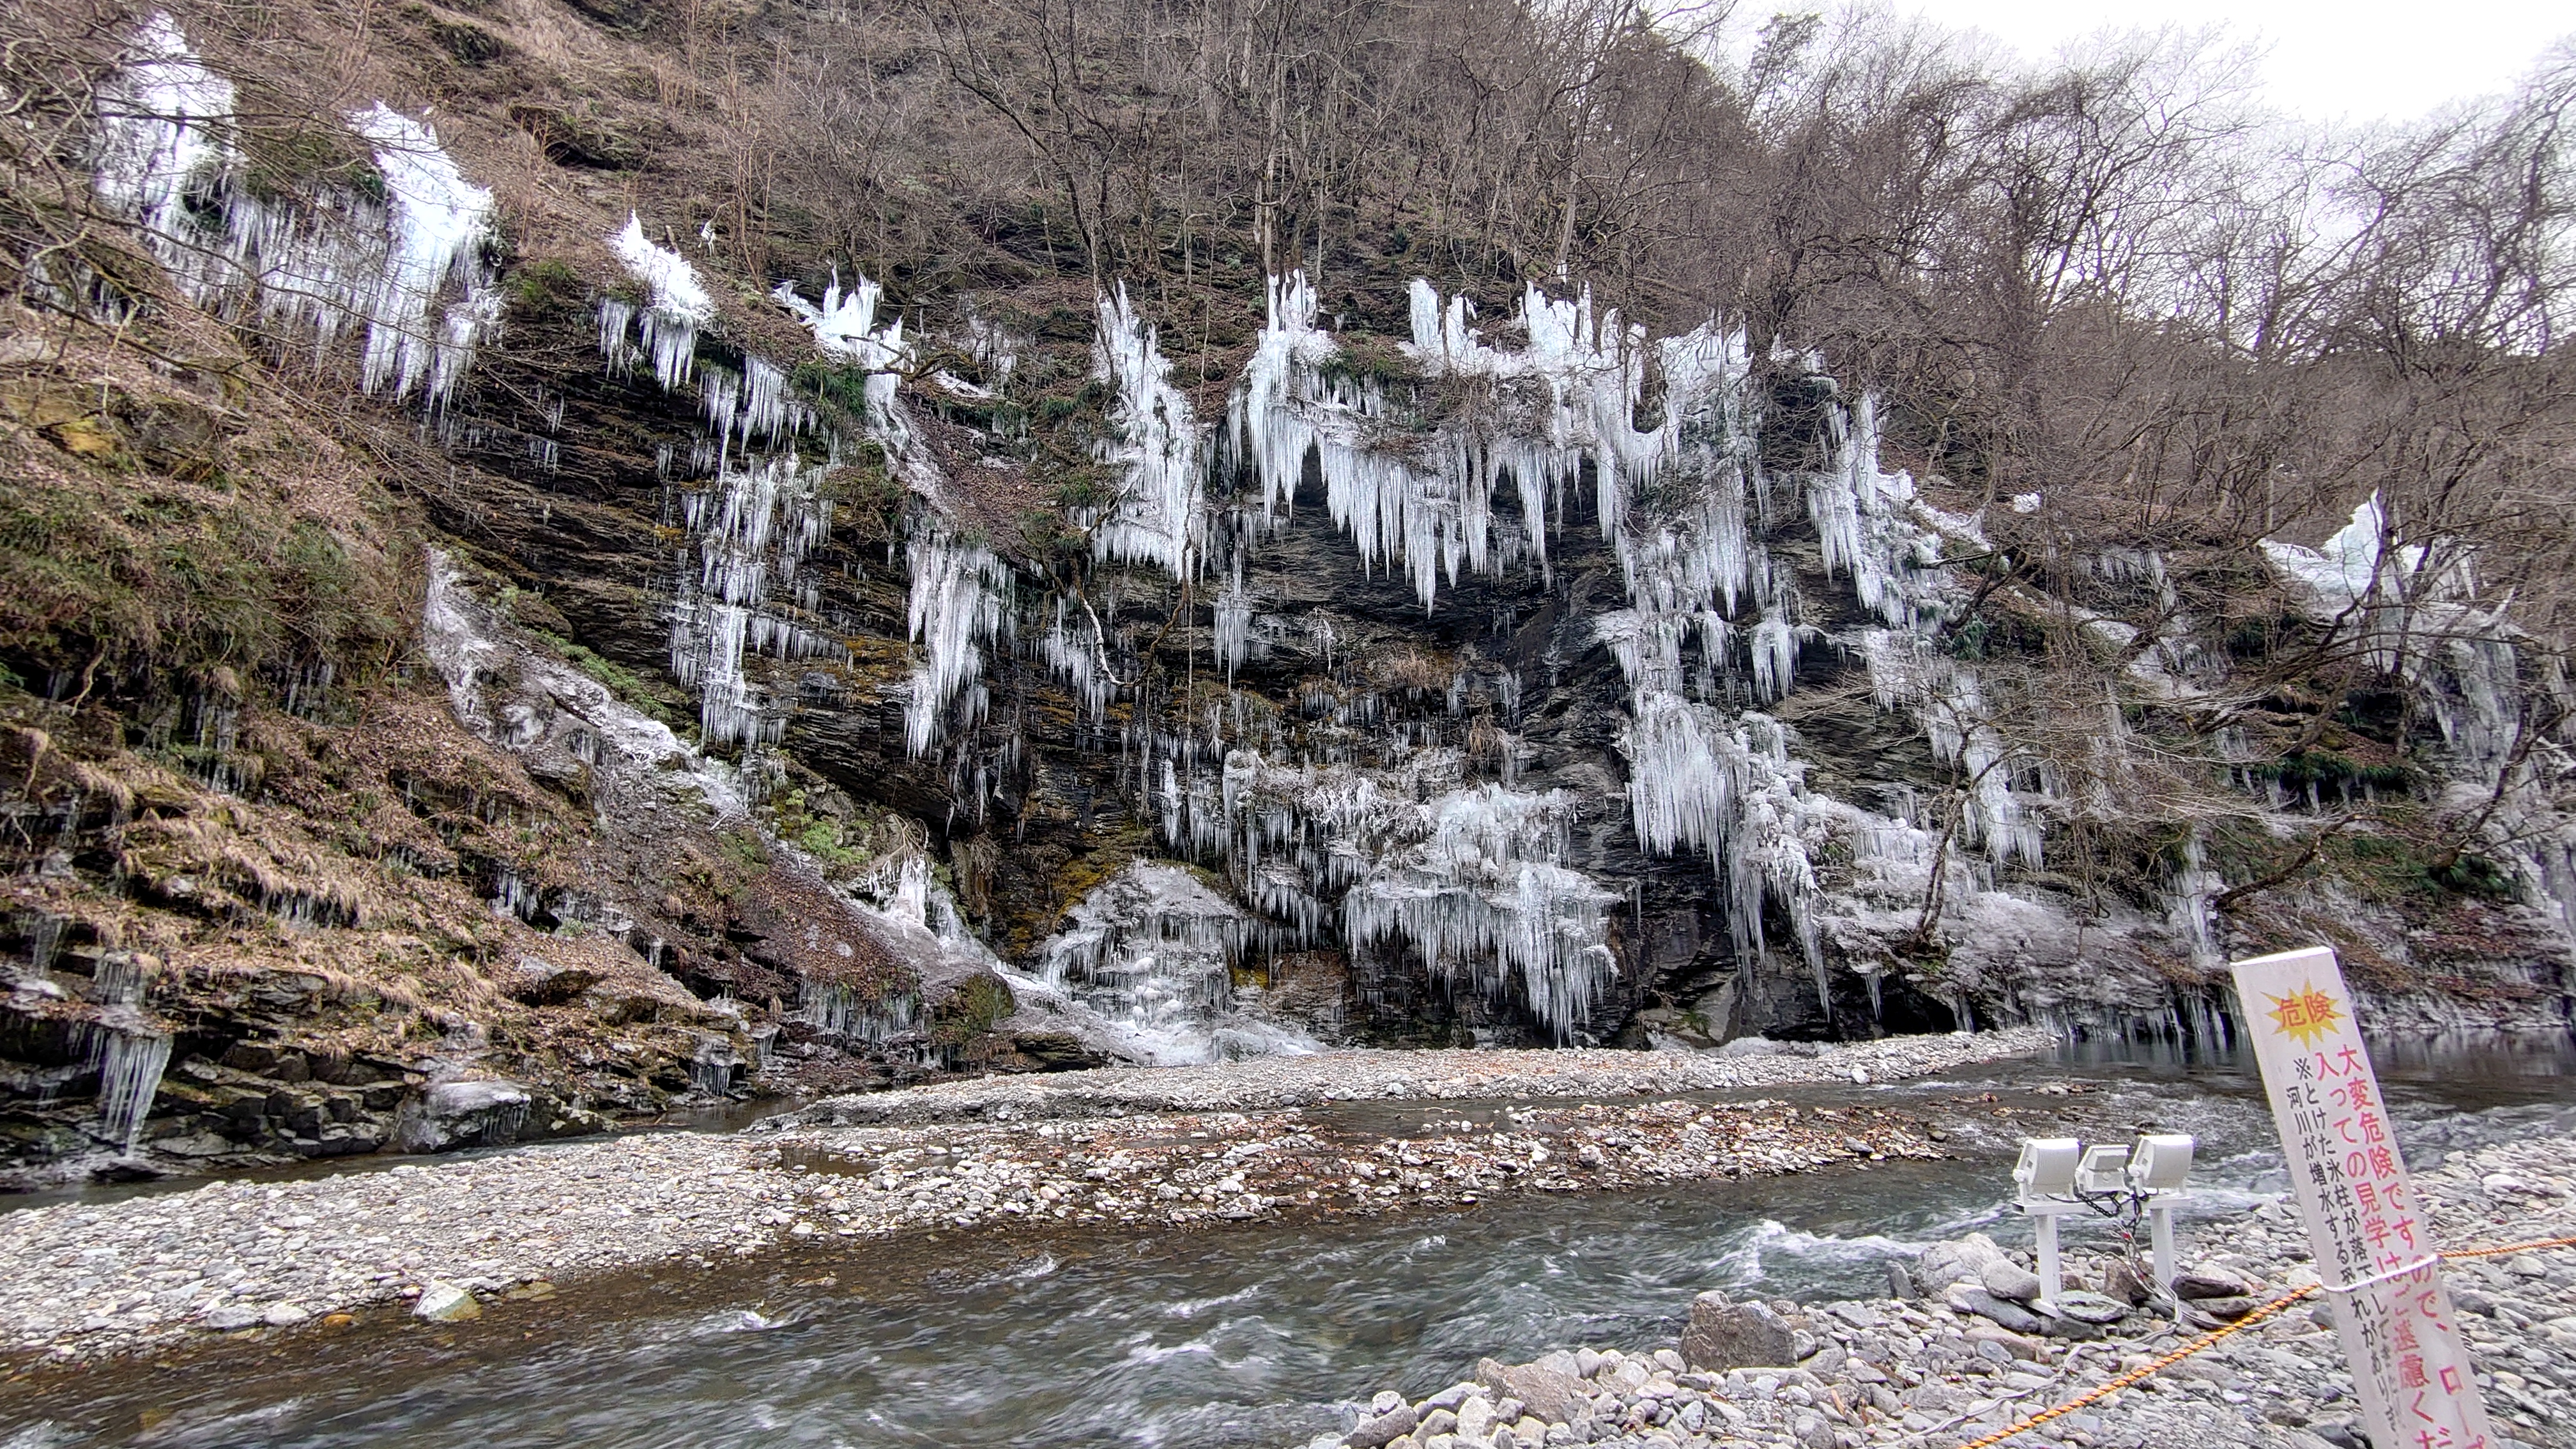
(977, 1005)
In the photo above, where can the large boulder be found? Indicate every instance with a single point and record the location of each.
(1725, 1334)
(450, 1115)
(2209, 1282)
(1057, 1051)
(1548, 1390)
(2005, 1278)
(535, 981)
(1962, 1261)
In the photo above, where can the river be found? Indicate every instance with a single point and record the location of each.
(1254, 1335)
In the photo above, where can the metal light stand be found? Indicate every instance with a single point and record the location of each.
(2058, 1176)
(2045, 1173)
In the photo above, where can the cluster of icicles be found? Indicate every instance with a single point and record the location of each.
(1475, 876)
(402, 266)
(395, 266)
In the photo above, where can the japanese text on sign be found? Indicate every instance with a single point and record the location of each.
(2373, 1250)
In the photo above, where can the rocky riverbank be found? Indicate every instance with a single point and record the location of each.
(90, 1280)
(1939, 1366)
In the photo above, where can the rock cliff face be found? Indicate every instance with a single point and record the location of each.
(784, 693)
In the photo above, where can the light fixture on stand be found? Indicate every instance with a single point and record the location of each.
(2060, 1176)
(2157, 1167)
(2044, 1186)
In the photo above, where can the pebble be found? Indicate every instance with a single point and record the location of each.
(446, 1303)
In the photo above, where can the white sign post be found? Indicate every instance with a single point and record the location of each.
(2373, 1248)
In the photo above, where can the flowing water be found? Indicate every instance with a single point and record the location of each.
(1256, 1335)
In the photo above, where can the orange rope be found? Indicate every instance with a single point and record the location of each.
(2211, 1339)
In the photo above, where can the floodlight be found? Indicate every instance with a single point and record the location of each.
(2047, 1166)
(2159, 1163)
(2104, 1169)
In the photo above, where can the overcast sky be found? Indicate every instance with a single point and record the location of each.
(2328, 59)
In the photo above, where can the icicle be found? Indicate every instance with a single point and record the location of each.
(1073, 655)
(164, 129)
(677, 304)
(845, 327)
(1153, 950)
(1486, 896)
(753, 531)
(835, 1011)
(409, 266)
(438, 224)
(1160, 515)
(960, 598)
(129, 1078)
(1864, 518)
(1233, 625)
(712, 1064)
(1426, 506)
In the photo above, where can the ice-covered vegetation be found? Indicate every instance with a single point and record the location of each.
(399, 263)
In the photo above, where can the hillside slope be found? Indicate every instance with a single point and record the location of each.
(568, 561)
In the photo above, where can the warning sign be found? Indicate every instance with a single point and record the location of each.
(2373, 1249)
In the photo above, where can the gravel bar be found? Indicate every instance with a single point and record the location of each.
(1270, 1083)
(91, 1280)
(1935, 1370)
